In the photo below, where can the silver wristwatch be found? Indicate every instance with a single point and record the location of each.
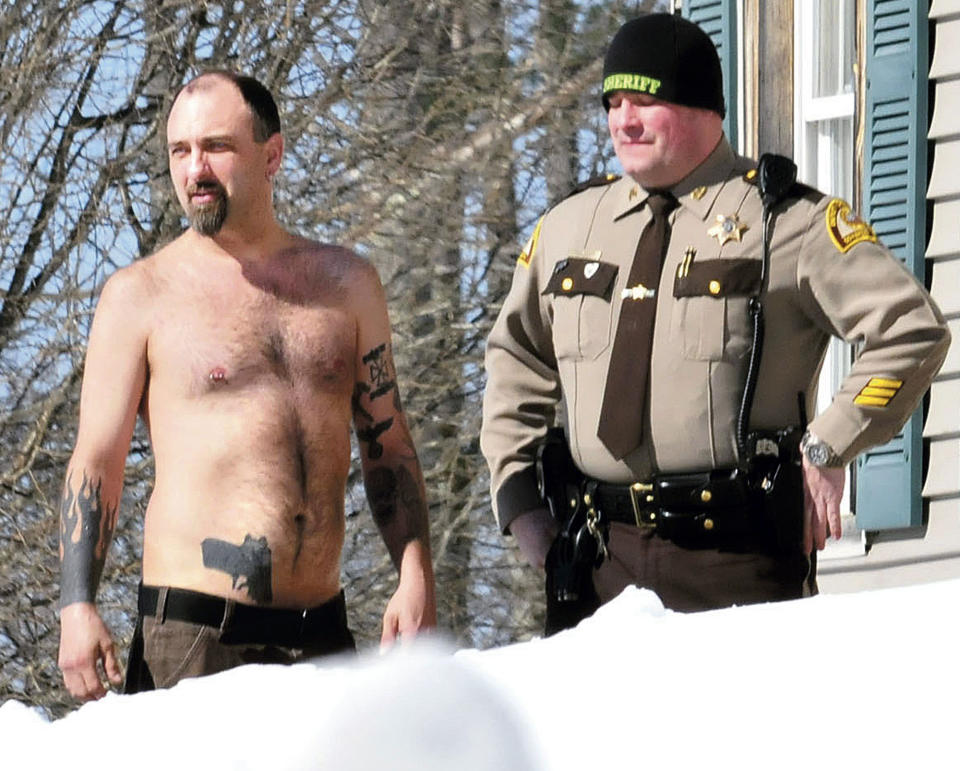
(818, 452)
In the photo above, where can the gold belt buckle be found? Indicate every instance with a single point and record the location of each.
(641, 495)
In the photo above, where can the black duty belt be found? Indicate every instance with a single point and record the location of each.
(705, 504)
(324, 625)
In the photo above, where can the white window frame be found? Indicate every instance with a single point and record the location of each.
(815, 149)
(815, 155)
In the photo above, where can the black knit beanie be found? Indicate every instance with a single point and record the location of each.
(668, 57)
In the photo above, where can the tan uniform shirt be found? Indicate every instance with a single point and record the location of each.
(548, 353)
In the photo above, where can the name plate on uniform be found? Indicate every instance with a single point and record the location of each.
(579, 276)
(718, 278)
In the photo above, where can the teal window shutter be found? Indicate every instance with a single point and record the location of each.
(718, 19)
(894, 198)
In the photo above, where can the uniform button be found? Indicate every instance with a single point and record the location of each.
(587, 499)
(708, 524)
(567, 284)
(573, 503)
(705, 496)
(714, 287)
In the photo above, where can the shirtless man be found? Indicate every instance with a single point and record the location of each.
(246, 350)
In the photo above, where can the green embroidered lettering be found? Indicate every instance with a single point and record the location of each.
(650, 85)
(625, 81)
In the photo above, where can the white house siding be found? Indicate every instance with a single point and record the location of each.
(942, 427)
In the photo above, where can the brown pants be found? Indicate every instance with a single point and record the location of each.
(164, 652)
(696, 577)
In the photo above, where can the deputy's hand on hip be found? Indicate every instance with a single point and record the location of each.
(535, 531)
(822, 492)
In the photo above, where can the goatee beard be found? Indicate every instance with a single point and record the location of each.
(208, 218)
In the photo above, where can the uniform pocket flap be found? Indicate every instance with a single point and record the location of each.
(575, 275)
(718, 278)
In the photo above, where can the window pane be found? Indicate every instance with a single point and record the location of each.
(835, 163)
(834, 49)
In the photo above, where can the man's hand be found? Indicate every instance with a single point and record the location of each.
(822, 491)
(535, 531)
(86, 650)
(413, 607)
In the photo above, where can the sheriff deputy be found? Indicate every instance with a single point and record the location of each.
(630, 324)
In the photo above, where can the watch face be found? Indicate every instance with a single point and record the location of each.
(818, 454)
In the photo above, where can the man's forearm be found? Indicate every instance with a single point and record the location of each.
(398, 503)
(87, 520)
(391, 470)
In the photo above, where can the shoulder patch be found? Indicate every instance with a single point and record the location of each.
(527, 253)
(845, 228)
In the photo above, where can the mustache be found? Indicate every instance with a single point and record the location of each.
(205, 186)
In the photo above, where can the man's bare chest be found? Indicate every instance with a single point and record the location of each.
(223, 341)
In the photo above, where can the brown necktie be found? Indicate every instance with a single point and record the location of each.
(624, 396)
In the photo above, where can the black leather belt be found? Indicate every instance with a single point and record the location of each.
(324, 625)
(701, 505)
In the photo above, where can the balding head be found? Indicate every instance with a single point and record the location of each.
(263, 107)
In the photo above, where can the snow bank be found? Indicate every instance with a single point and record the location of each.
(861, 681)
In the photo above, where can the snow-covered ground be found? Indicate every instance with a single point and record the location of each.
(859, 681)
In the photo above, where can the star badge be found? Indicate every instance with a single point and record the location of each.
(727, 229)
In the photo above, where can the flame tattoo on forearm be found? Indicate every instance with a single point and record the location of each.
(86, 527)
